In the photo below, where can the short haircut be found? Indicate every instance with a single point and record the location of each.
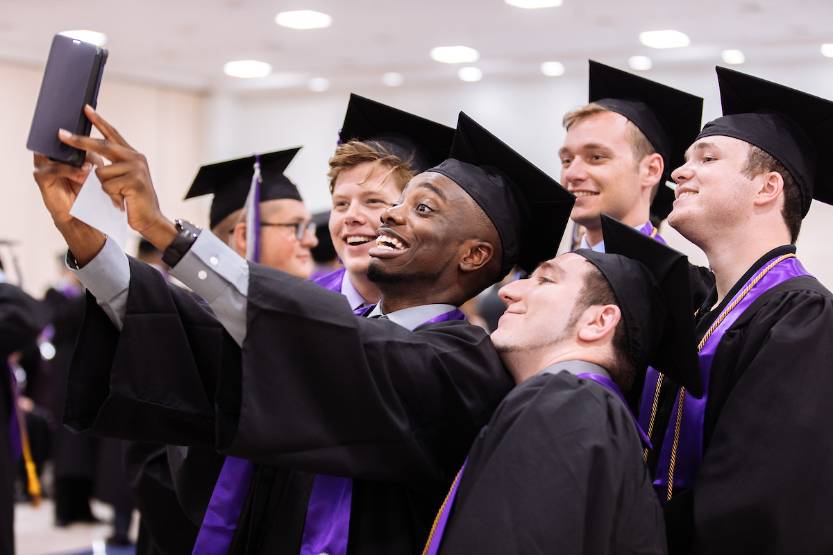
(759, 161)
(597, 291)
(351, 154)
(640, 145)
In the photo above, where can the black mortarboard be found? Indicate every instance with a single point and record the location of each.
(420, 142)
(792, 126)
(324, 251)
(669, 118)
(528, 208)
(651, 284)
(230, 182)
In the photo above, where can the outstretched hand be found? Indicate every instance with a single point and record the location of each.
(126, 179)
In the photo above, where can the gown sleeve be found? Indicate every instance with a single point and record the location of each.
(330, 393)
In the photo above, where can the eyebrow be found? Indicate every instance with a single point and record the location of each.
(699, 147)
(590, 146)
(552, 267)
(434, 189)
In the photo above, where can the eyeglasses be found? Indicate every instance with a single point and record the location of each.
(301, 228)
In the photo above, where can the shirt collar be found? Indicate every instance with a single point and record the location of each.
(576, 367)
(413, 316)
(351, 293)
(600, 246)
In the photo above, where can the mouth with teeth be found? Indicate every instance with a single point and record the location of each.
(685, 193)
(388, 246)
(584, 194)
(358, 240)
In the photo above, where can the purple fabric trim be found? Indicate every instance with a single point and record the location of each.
(690, 449)
(442, 520)
(327, 524)
(224, 508)
(331, 280)
(14, 425)
(606, 382)
(648, 229)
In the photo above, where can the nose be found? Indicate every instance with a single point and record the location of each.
(575, 172)
(682, 174)
(393, 215)
(512, 292)
(354, 214)
(309, 240)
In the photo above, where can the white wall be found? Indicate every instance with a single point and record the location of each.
(163, 123)
(526, 114)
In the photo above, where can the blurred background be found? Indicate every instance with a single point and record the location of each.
(192, 82)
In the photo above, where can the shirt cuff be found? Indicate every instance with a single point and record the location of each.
(107, 275)
(210, 266)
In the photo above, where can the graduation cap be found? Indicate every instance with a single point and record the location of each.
(231, 180)
(651, 284)
(420, 142)
(669, 118)
(528, 208)
(792, 126)
(324, 251)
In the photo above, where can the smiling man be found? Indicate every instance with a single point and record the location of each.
(620, 149)
(381, 148)
(392, 401)
(745, 469)
(558, 469)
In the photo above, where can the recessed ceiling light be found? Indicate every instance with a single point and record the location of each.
(470, 74)
(303, 19)
(827, 49)
(93, 37)
(534, 4)
(454, 54)
(247, 69)
(667, 38)
(552, 69)
(733, 57)
(319, 84)
(392, 79)
(640, 63)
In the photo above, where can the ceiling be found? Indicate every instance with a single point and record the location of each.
(185, 43)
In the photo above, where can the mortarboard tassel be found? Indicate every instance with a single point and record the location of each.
(253, 215)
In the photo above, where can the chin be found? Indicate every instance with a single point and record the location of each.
(377, 274)
(355, 265)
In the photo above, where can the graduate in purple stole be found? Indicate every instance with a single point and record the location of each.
(286, 375)
(173, 484)
(559, 467)
(746, 468)
(620, 149)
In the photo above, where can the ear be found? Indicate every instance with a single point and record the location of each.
(771, 187)
(238, 238)
(651, 169)
(599, 323)
(476, 255)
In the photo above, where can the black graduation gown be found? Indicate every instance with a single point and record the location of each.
(21, 320)
(558, 469)
(323, 392)
(765, 483)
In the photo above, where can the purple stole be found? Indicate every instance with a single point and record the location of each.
(435, 537)
(15, 441)
(327, 523)
(682, 446)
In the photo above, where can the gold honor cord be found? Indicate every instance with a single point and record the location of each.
(33, 483)
(679, 418)
(440, 512)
